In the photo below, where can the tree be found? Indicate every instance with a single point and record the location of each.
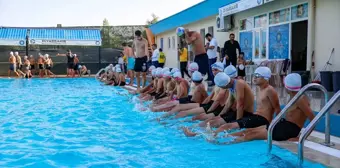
(106, 40)
(150, 22)
(153, 20)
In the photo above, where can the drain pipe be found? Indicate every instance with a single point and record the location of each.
(311, 36)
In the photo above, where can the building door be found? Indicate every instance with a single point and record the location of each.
(299, 46)
(162, 43)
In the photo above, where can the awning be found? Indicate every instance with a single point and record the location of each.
(75, 37)
(13, 36)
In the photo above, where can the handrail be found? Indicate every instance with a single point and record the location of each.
(291, 102)
(97, 74)
(311, 125)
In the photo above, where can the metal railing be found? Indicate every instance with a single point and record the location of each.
(311, 125)
(291, 102)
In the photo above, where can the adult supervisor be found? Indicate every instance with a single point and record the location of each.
(70, 62)
(140, 46)
(201, 58)
(230, 47)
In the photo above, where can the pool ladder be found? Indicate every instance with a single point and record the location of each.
(311, 125)
(97, 75)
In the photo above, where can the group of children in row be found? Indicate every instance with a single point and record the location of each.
(230, 106)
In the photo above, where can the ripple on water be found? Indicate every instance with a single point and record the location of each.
(79, 123)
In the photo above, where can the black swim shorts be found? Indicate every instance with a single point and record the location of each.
(217, 111)
(203, 63)
(32, 67)
(41, 66)
(207, 106)
(70, 65)
(140, 64)
(159, 95)
(284, 130)
(186, 100)
(122, 84)
(252, 121)
(153, 94)
(231, 115)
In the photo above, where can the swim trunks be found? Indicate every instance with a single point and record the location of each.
(41, 66)
(122, 84)
(140, 64)
(12, 67)
(32, 67)
(252, 121)
(153, 94)
(217, 111)
(284, 130)
(159, 96)
(231, 115)
(131, 63)
(70, 65)
(207, 106)
(76, 67)
(203, 63)
(48, 67)
(186, 100)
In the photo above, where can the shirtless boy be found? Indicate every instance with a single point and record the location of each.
(211, 103)
(140, 46)
(19, 63)
(32, 62)
(201, 58)
(198, 95)
(41, 65)
(267, 104)
(12, 64)
(121, 77)
(128, 51)
(288, 128)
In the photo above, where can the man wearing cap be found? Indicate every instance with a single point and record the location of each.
(287, 128)
(267, 103)
(12, 64)
(212, 102)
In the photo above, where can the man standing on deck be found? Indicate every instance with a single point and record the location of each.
(201, 58)
(70, 62)
(140, 46)
(230, 47)
(12, 64)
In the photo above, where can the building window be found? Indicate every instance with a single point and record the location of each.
(173, 42)
(162, 45)
(202, 32)
(169, 42)
(211, 30)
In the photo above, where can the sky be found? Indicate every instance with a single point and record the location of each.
(39, 13)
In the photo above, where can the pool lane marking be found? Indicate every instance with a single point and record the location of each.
(322, 148)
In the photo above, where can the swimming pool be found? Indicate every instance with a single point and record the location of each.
(79, 123)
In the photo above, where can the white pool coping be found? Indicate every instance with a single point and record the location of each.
(309, 144)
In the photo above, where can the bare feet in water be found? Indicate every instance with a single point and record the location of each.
(188, 133)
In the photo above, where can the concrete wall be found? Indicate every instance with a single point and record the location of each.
(327, 33)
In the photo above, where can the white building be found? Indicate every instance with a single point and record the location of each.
(273, 29)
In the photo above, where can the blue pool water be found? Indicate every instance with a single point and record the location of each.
(79, 123)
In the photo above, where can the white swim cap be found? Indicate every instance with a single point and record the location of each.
(11, 53)
(241, 67)
(231, 71)
(153, 72)
(118, 70)
(75, 55)
(166, 69)
(152, 68)
(196, 76)
(193, 67)
(159, 72)
(79, 67)
(221, 79)
(16, 53)
(173, 70)
(293, 82)
(113, 69)
(167, 74)
(25, 57)
(111, 65)
(46, 55)
(218, 65)
(264, 72)
(177, 75)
